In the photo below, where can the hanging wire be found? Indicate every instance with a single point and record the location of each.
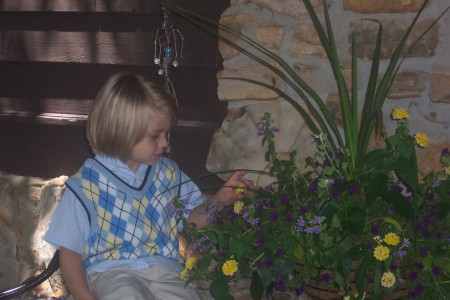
(168, 44)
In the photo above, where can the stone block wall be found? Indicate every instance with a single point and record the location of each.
(422, 85)
(27, 204)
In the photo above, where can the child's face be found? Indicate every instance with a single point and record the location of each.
(151, 147)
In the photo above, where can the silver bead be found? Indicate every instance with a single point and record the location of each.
(161, 72)
(156, 61)
(175, 63)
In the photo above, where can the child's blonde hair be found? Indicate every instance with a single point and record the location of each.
(120, 114)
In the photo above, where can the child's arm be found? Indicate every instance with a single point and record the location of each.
(74, 274)
(233, 189)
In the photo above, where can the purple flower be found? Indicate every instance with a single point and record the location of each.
(393, 266)
(304, 209)
(416, 291)
(336, 195)
(280, 252)
(260, 207)
(419, 266)
(313, 230)
(437, 235)
(445, 152)
(423, 251)
(300, 290)
(325, 277)
(279, 285)
(391, 211)
(260, 239)
(413, 276)
(353, 191)
(436, 271)
(400, 254)
(375, 230)
(300, 224)
(273, 216)
(284, 199)
(314, 186)
(397, 188)
(177, 206)
(253, 221)
(269, 263)
(288, 218)
(269, 187)
(315, 221)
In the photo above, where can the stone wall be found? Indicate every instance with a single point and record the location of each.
(422, 85)
(27, 204)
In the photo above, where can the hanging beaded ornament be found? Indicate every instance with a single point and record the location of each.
(166, 50)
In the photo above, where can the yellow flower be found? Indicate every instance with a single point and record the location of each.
(240, 189)
(381, 252)
(190, 263)
(391, 239)
(238, 205)
(183, 274)
(447, 170)
(387, 280)
(347, 298)
(230, 267)
(421, 139)
(399, 114)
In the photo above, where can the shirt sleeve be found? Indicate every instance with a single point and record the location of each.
(190, 193)
(69, 227)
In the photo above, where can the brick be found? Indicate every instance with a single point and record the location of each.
(366, 34)
(408, 84)
(235, 22)
(383, 6)
(440, 88)
(232, 90)
(270, 36)
(306, 42)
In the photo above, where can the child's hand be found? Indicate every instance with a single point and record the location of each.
(234, 188)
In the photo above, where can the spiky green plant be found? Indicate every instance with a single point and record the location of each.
(358, 127)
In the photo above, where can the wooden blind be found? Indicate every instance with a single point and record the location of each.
(54, 55)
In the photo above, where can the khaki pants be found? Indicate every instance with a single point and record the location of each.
(156, 283)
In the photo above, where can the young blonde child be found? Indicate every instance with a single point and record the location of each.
(116, 236)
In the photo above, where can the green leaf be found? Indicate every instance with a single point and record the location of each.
(399, 203)
(372, 160)
(362, 273)
(378, 182)
(266, 277)
(444, 188)
(393, 222)
(356, 219)
(219, 289)
(204, 263)
(407, 173)
(328, 170)
(237, 248)
(406, 148)
(256, 286)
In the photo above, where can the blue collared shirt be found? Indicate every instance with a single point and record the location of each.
(70, 227)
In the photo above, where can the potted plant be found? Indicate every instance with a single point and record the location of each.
(318, 231)
(353, 222)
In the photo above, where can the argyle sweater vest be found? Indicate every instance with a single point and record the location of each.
(128, 222)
